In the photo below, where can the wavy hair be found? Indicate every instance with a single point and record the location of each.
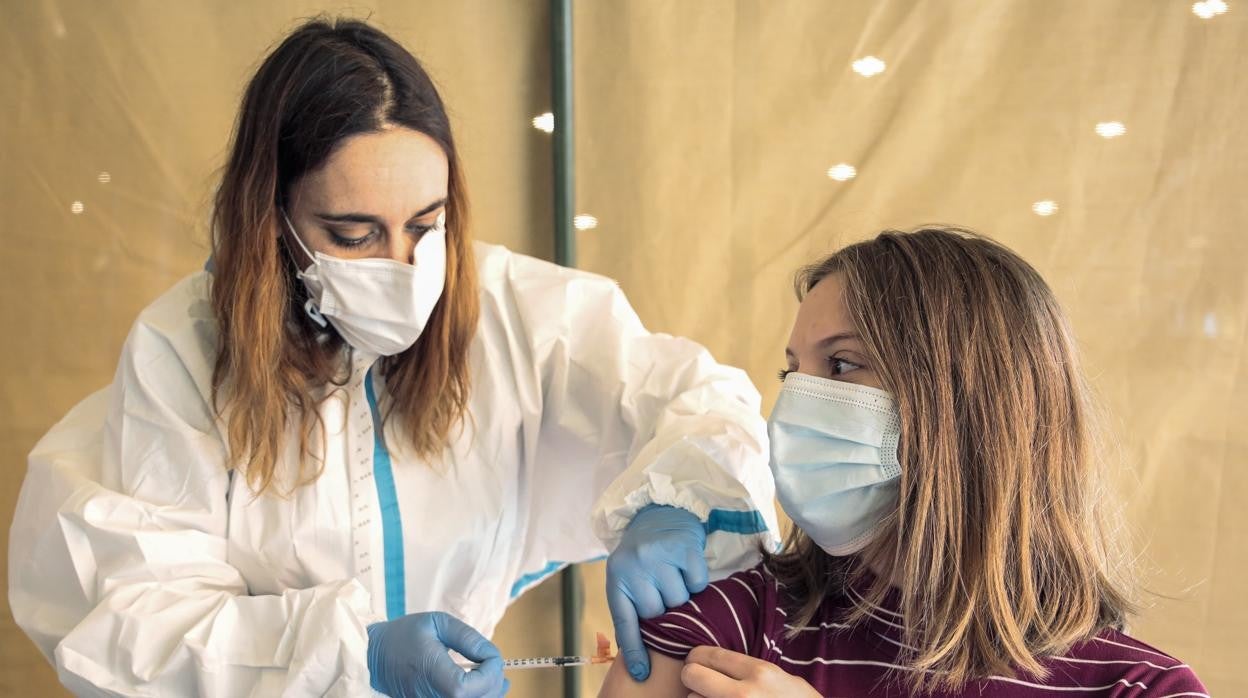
(1004, 550)
(329, 80)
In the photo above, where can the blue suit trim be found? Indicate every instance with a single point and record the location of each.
(391, 522)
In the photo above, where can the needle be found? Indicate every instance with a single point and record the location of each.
(603, 656)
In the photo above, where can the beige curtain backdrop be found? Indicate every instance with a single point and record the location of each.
(706, 129)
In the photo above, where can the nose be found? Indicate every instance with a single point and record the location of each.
(401, 246)
(812, 363)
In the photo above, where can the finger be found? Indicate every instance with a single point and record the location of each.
(485, 681)
(647, 599)
(697, 574)
(671, 584)
(628, 634)
(463, 638)
(732, 664)
(706, 681)
(447, 678)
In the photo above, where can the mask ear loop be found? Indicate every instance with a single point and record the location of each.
(314, 313)
(309, 306)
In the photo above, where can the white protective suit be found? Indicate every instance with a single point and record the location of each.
(141, 565)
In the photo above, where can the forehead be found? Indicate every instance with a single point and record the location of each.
(376, 172)
(822, 312)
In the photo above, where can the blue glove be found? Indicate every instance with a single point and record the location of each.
(659, 562)
(407, 657)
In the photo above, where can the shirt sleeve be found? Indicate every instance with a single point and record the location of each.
(726, 614)
(631, 418)
(118, 563)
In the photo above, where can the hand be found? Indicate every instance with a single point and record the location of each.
(659, 562)
(408, 657)
(714, 672)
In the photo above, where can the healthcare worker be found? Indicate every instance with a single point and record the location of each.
(348, 447)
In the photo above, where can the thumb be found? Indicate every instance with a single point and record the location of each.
(459, 636)
(637, 661)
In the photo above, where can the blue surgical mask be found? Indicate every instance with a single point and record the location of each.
(834, 457)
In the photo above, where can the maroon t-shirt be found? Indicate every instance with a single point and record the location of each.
(744, 613)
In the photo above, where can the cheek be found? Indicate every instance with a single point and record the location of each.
(870, 378)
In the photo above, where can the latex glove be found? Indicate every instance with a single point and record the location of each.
(407, 657)
(660, 561)
(714, 672)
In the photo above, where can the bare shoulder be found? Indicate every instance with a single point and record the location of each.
(664, 680)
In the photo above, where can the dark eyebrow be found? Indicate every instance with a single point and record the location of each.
(431, 207)
(828, 341)
(833, 339)
(369, 218)
(349, 218)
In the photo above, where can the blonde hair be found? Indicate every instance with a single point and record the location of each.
(1002, 549)
(327, 81)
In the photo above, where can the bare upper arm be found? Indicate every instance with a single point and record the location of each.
(664, 679)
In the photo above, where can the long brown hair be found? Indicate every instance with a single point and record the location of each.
(1002, 551)
(327, 81)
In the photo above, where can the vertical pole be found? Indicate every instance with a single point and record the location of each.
(565, 162)
(573, 596)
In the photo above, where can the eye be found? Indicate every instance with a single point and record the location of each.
(418, 230)
(783, 373)
(349, 242)
(841, 366)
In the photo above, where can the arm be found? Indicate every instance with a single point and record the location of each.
(632, 418)
(652, 423)
(118, 567)
(664, 680)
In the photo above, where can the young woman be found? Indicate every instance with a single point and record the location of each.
(346, 449)
(932, 444)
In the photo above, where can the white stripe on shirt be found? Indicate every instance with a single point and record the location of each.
(1122, 682)
(754, 596)
(1137, 649)
(1121, 661)
(822, 626)
(669, 643)
(745, 646)
(710, 636)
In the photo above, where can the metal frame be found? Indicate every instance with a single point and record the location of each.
(572, 602)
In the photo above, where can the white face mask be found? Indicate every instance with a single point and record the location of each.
(834, 457)
(379, 306)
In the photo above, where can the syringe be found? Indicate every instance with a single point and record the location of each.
(550, 662)
(604, 656)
